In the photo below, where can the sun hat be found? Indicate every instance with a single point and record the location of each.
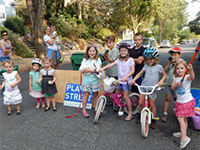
(175, 50)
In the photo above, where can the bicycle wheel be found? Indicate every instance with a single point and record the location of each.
(135, 99)
(115, 107)
(100, 105)
(144, 123)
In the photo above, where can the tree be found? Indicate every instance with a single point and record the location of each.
(35, 8)
(195, 24)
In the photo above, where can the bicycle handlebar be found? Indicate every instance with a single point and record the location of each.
(146, 93)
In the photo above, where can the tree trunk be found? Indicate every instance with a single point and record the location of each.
(160, 31)
(35, 8)
(79, 7)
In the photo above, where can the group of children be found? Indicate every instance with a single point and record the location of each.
(126, 64)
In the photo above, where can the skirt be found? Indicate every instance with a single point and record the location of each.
(185, 109)
(36, 94)
(91, 87)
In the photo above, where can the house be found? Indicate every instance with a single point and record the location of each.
(7, 8)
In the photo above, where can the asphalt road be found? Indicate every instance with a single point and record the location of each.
(39, 130)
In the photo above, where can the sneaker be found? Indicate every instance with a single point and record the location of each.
(138, 119)
(177, 134)
(85, 114)
(164, 118)
(184, 143)
(153, 124)
(61, 59)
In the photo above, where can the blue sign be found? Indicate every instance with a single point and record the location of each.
(73, 96)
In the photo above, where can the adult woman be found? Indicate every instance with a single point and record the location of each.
(5, 46)
(53, 53)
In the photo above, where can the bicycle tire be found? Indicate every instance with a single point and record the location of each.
(100, 105)
(115, 107)
(144, 123)
(135, 98)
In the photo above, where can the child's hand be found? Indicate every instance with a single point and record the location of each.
(189, 66)
(124, 79)
(132, 82)
(38, 82)
(179, 83)
(30, 89)
(1, 87)
(160, 84)
(100, 69)
(13, 85)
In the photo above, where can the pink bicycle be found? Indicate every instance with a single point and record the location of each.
(119, 103)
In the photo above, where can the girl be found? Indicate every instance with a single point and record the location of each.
(90, 81)
(126, 67)
(34, 88)
(184, 106)
(48, 78)
(152, 71)
(12, 95)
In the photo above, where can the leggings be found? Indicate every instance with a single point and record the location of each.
(38, 100)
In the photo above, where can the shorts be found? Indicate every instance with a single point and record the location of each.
(54, 55)
(91, 87)
(49, 95)
(169, 91)
(152, 96)
(2, 59)
(125, 87)
(185, 109)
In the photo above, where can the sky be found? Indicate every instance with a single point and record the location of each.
(192, 9)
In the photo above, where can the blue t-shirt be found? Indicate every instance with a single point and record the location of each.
(91, 78)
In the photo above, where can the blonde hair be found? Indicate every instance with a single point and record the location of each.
(178, 63)
(46, 59)
(86, 55)
(9, 62)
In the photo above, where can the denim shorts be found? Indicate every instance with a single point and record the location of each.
(125, 87)
(2, 59)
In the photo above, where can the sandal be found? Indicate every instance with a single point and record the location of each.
(37, 106)
(47, 108)
(9, 112)
(54, 108)
(18, 112)
(85, 114)
(128, 118)
(43, 105)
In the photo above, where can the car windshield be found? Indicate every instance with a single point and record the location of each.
(145, 41)
(128, 41)
(164, 41)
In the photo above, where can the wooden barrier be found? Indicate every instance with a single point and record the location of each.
(64, 77)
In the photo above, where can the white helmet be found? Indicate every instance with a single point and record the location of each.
(36, 61)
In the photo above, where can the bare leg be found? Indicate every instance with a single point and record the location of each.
(9, 108)
(166, 104)
(18, 107)
(141, 102)
(96, 96)
(183, 126)
(129, 104)
(153, 106)
(48, 101)
(84, 101)
(61, 54)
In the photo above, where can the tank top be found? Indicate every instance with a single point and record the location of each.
(7, 47)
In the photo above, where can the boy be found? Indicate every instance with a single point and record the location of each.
(169, 68)
(137, 54)
(111, 56)
(54, 34)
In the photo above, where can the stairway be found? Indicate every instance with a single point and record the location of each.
(29, 43)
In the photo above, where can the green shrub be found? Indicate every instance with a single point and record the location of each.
(103, 33)
(16, 24)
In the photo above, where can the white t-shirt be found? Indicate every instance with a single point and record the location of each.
(183, 92)
(56, 38)
(46, 38)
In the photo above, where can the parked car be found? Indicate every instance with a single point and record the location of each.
(148, 42)
(165, 43)
(184, 42)
(131, 42)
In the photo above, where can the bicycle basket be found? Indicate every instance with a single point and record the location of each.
(108, 84)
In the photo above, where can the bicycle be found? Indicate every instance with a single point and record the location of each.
(146, 114)
(119, 102)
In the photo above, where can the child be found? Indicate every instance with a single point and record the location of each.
(137, 54)
(152, 71)
(169, 68)
(12, 95)
(126, 67)
(34, 88)
(48, 78)
(90, 81)
(111, 56)
(185, 104)
(54, 34)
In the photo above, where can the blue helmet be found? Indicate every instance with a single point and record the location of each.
(151, 53)
(125, 45)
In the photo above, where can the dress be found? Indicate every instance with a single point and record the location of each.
(36, 88)
(12, 96)
(4, 57)
(47, 75)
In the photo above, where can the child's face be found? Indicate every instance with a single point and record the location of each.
(46, 64)
(123, 51)
(175, 56)
(92, 52)
(8, 67)
(150, 61)
(110, 44)
(180, 70)
(138, 40)
(53, 29)
(36, 67)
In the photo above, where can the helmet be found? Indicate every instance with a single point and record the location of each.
(36, 61)
(151, 53)
(125, 45)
